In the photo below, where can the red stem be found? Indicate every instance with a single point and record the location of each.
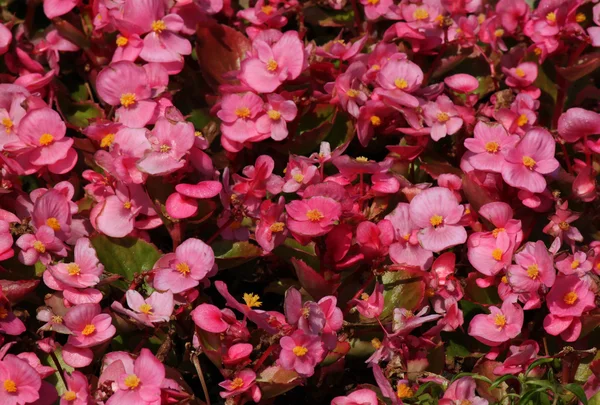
(264, 356)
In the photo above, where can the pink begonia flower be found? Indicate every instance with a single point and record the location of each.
(347, 90)
(371, 116)
(308, 317)
(299, 173)
(442, 116)
(406, 321)
(279, 112)
(500, 215)
(56, 8)
(338, 49)
(21, 383)
(521, 76)
(38, 246)
(210, 318)
(84, 272)
(271, 230)
(560, 225)
(398, 78)
(528, 162)
(488, 254)
(42, 136)
(128, 48)
(262, 13)
(239, 113)
(452, 182)
(126, 85)
(512, 13)
(301, 352)
(88, 325)
(535, 266)
(9, 323)
(156, 308)
(170, 141)
(5, 39)
(363, 396)
(584, 186)
(241, 382)
(53, 209)
(519, 359)
(374, 239)
(437, 212)
(462, 83)
(142, 386)
(163, 44)
(462, 391)
(33, 360)
(489, 145)
(312, 217)
(370, 306)
(407, 249)
(577, 263)
(184, 204)
(376, 8)
(77, 390)
(500, 325)
(190, 263)
(272, 64)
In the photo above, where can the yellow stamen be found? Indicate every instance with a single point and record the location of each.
(314, 215)
(533, 271)
(352, 93)
(57, 319)
(401, 83)
(127, 205)
(497, 254)
(107, 140)
(528, 162)
(497, 231)
(159, 26)
(375, 121)
(376, 343)
(522, 120)
(272, 65)
(132, 381)
(551, 17)
(236, 383)
(243, 112)
(277, 227)
(10, 386)
(122, 41)
(46, 139)
(575, 264)
(8, 125)
(570, 298)
(436, 220)
(252, 300)
(299, 177)
(520, 72)
(499, 32)
(404, 391)
(362, 159)
(500, 321)
(580, 17)
(442, 117)
(53, 223)
(504, 280)
(164, 148)
(145, 309)
(3, 313)
(300, 351)
(537, 51)
(128, 99)
(70, 396)
(420, 14)
(373, 2)
(268, 10)
(88, 330)
(274, 114)
(183, 268)
(73, 269)
(564, 226)
(39, 246)
(364, 296)
(406, 237)
(376, 67)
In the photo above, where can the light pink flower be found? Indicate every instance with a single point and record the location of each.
(190, 263)
(84, 272)
(239, 114)
(88, 325)
(521, 76)
(301, 352)
(437, 212)
(442, 116)
(407, 249)
(462, 391)
(77, 390)
(21, 383)
(374, 239)
(534, 268)
(489, 145)
(370, 306)
(156, 308)
(170, 141)
(577, 263)
(56, 8)
(406, 321)
(210, 318)
(241, 382)
(519, 358)
(398, 78)
(489, 254)
(462, 83)
(500, 325)
(560, 225)
(363, 396)
(183, 203)
(38, 246)
(313, 217)
(279, 112)
(270, 229)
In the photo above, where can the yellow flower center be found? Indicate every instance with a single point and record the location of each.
(522, 120)
(314, 215)
(580, 17)
(364, 296)
(401, 83)
(299, 177)
(164, 148)
(497, 231)
(39, 246)
(277, 227)
(500, 321)
(499, 32)
(465, 402)
(122, 41)
(352, 93)
(375, 121)
(267, 9)
(10, 386)
(70, 396)
(3, 312)
(252, 300)
(376, 343)
(551, 17)
(375, 67)
(236, 383)
(406, 236)
(8, 124)
(73, 269)
(198, 134)
(107, 140)
(300, 351)
(564, 226)
(497, 254)
(272, 65)
(274, 114)
(146, 309)
(127, 205)
(373, 2)
(420, 14)
(520, 72)
(46, 139)
(436, 220)
(570, 298)
(132, 381)
(440, 20)
(53, 223)
(242, 112)
(159, 26)
(128, 99)
(183, 268)
(404, 391)
(57, 319)
(504, 280)
(528, 162)
(575, 264)
(537, 51)
(88, 330)
(362, 159)
(533, 271)
(442, 117)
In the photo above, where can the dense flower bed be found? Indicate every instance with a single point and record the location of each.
(346, 202)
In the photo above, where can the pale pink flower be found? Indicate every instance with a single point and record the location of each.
(370, 306)
(560, 225)
(301, 352)
(442, 116)
(397, 79)
(488, 254)
(462, 83)
(521, 76)
(576, 123)
(500, 325)
(56, 8)
(21, 383)
(577, 263)
(279, 112)
(39, 246)
(362, 396)
(462, 391)
(489, 145)
(238, 114)
(128, 48)
(271, 230)
(170, 142)
(406, 321)
(84, 272)
(88, 325)
(407, 249)
(156, 308)
(534, 268)
(211, 319)
(183, 203)
(313, 217)
(519, 358)
(241, 382)
(77, 390)
(375, 9)
(347, 90)
(299, 173)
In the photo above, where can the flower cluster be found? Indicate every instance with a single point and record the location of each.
(392, 201)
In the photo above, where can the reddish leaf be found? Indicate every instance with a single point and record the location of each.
(582, 67)
(15, 291)
(313, 282)
(341, 349)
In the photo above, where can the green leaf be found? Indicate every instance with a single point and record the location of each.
(291, 248)
(455, 349)
(595, 400)
(500, 380)
(229, 254)
(578, 392)
(55, 379)
(125, 256)
(403, 289)
(537, 363)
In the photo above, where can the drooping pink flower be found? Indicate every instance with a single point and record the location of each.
(271, 230)
(534, 268)
(407, 249)
(312, 217)
(500, 325)
(462, 391)
(362, 396)
(88, 325)
(170, 141)
(279, 112)
(489, 145)
(371, 306)
(84, 272)
(560, 225)
(406, 321)
(185, 268)
(301, 352)
(437, 212)
(20, 382)
(209, 318)
(528, 162)
(519, 359)
(77, 390)
(143, 385)
(156, 308)
(442, 116)
(39, 246)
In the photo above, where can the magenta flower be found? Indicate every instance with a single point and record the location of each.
(313, 217)
(272, 64)
(9, 323)
(560, 225)
(244, 380)
(370, 306)
(376, 8)
(38, 246)
(462, 391)
(156, 308)
(406, 321)
(338, 49)
(534, 268)
(77, 390)
(170, 142)
(521, 76)
(183, 203)
(89, 327)
(530, 160)
(142, 386)
(500, 325)
(437, 213)
(489, 146)
(374, 240)
(20, 382)
(279, 112)
(271, 230)
(362, 396)
(185, 268)
(347, 90)
(84, 272)
(442, 116)
(301, 352)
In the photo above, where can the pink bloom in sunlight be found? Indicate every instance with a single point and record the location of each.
(163, 44)
(127, 85)
(519, 359)
(299, 173)
(313, 217)
(56, 8)
(489, 145)
(437, 213)
(279, 112)
(488, 254)
(270, 229)
(272, 64)
(521, 76)
(20, 382)
(398, 78)
(530, 160)
(406, 321)
(241, 382)
(535, 266)
(462, 83)
(239, 113)
(128, 48)
(77, 390)
(462, 391)
(500, 215)
(190, 263)
(370, 306)
(376, 8)
(560, 225)
(338, 49)
(577, 263)
(39, 246)
(183, 203)
(89, 327)
(359, 397)
(170, 142)
(156, 308)
(407, 250)
(442, 117)
(375, 239)
(84, 272)
(142, 386)
(500, 325)
(210, 318)
(576, 123)
(347, 90)
(301, 352)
